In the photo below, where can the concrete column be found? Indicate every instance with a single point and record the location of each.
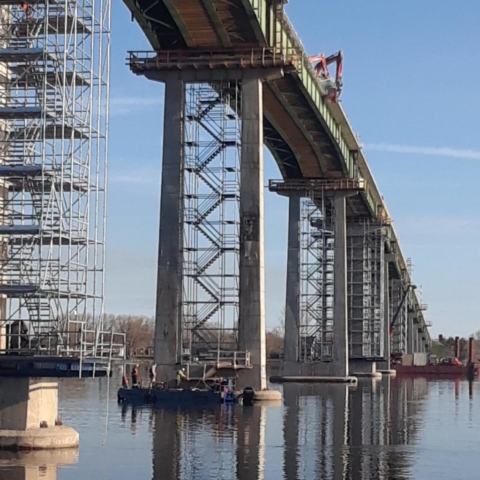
(340, 316)
(386, 309)
(410, 333)
(292, 304)
(28, 412)
(169, 279)
(251, 325)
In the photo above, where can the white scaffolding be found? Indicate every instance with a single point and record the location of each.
(54, 72)
(211, 221)
(316, 281)
(366, 289)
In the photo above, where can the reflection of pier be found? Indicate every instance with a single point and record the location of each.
(329, 431)
(35, 465)
(342, 433)
(222, 443)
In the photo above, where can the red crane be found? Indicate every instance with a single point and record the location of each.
(332, 87)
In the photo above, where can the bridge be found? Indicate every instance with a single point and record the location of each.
(237, 76)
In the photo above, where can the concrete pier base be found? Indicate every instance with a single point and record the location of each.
(270, 396)
(312, 379)
(28, 414)
(364, 368)
(39, 439)
(390, 373)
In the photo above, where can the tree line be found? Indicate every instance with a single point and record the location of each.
(139, 332)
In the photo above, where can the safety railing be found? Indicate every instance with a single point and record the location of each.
(141, 61)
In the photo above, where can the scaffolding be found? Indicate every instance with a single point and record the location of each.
(211, 222)
(54, 72)
(366, 289)
(399, 339)
(316, 280)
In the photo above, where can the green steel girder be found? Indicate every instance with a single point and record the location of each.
(157, 23)
(285, 157)
(177, 18)
(219, 26)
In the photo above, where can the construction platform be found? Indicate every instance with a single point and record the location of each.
(53, 367)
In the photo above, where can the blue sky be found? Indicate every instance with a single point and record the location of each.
(412, 93)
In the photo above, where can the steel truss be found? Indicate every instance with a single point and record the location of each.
(316, 280)
(54, 73)
(366, 289)
(211, 220)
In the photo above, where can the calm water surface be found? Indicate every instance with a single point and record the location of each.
(399, 429)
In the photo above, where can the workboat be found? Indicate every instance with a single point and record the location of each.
(158, 396)
(445, 370)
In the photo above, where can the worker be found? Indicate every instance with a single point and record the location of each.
(180, 376)
(135, 372)
(152, 374)
(28, 11)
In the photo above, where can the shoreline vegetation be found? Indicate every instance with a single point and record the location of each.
(140, 330)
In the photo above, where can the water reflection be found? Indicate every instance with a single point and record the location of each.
(35, 465)
(327, 432)
(400, 429)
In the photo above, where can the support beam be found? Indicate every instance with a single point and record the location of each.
(410, 333)
(340, 322)
(292, 304)
(251, 325)
(169, 280)
(386, 320)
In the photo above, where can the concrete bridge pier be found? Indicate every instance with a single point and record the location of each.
(292, 303)
(251, 291)
(384, 366)
(28, 415)
(169, 280)
(251, 322)
(293, 366)
(367, 273)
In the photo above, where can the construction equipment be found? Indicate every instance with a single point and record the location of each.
(332, 87)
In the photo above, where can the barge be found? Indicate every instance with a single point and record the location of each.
(157, 396)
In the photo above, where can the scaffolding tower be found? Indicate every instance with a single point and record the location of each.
(54, 72)
(366, 289)
(316, 280)
(211, 221)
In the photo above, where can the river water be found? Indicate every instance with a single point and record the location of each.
(388, 429)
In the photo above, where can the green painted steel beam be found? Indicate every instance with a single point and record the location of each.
(283, 135)
(220, 28)
(299, 124)
(139, 16)
(257, 14)
(177, 18)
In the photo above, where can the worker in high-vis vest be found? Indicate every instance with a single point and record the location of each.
(180, 376)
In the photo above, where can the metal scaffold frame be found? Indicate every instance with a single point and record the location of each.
(54, 89)
(399, 340)
(366, 277)
(211, 221)
(316, 280)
